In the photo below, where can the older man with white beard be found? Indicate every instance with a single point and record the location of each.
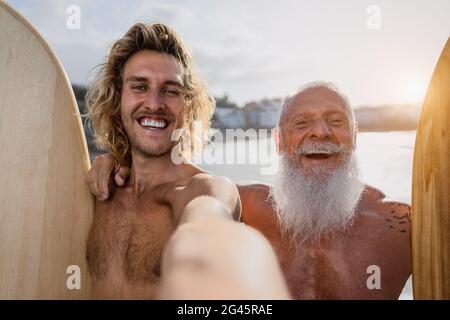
(335, 237)
(317, 188)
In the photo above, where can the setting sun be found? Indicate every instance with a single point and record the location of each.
(414, 90)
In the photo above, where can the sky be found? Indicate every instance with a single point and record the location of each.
(377, 51)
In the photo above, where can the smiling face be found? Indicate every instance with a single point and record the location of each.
(315, 130)
(151, 104)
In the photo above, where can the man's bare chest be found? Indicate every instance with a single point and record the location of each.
(338, 272)
(127, 239)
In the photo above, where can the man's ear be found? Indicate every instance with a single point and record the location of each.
(276, 138)
(355, 134)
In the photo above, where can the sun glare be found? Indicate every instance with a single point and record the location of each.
(415, 90)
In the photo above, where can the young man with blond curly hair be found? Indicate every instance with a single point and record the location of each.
(168, 219)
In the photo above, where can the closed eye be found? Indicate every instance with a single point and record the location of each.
(337, 119)
(301, 124)
(171, 92)
(337, 122)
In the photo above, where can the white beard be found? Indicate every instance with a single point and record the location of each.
(311, 206)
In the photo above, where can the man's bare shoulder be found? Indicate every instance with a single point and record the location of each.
(257, 205)
(384, 225)
(385, 221)
(255, 194)
(205, 184)
(254, 189)
(376, 202)
(194, 176)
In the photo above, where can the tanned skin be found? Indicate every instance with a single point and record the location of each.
(338, 266)
(130, 229)
(211, 258)
(337, 269)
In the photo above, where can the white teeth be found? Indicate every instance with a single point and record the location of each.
(153, 123)
(319, 152)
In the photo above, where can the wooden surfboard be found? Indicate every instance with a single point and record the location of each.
(45, 206)
(431, 189)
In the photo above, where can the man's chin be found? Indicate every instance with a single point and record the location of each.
(153, 151)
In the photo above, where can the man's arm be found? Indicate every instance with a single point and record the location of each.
(209, 256)
(104, 172)
(218, 189)
(220, 258)
(208, 251)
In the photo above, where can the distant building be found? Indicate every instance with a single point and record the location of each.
(229, 118)
(263, 114)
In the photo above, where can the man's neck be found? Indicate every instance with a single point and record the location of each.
(147, 172)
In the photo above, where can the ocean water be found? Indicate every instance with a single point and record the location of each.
(384, 158)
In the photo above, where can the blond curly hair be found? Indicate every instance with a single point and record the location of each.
(103, 97)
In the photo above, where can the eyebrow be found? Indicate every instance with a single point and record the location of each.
(307, 115)
(144, 79)
(340, 112)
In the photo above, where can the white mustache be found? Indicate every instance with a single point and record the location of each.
(326, 147)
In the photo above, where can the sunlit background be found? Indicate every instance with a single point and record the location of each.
(254, 49)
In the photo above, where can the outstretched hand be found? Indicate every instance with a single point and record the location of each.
(210, 256)
(104, 172)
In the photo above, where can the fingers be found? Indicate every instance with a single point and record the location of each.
(105, 171)
(99, 175)
(91, 180)
(122, 175)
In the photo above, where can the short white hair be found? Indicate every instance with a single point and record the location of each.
(321, 84)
